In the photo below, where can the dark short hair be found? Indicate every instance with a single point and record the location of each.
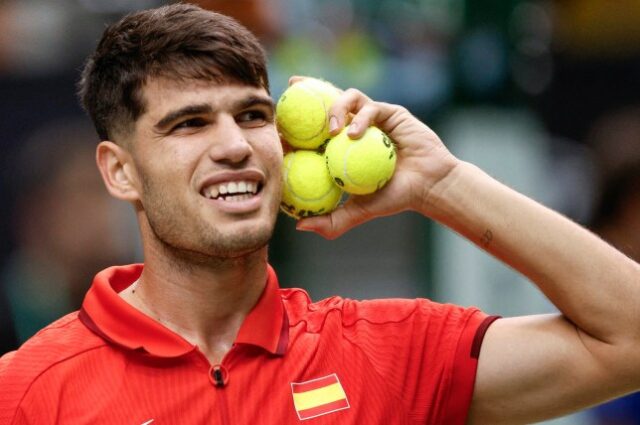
(179, 42)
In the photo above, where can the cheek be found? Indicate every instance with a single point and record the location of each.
(273, 159)
(158, 186)
(272, 149)
(169, 167)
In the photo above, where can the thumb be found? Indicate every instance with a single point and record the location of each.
(333, 225)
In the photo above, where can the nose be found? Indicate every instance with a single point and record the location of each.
(230, 144)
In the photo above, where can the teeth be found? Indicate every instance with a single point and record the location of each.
(240, 197)
(237, 198)
(241, 190)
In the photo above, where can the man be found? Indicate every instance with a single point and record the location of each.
(202, 334)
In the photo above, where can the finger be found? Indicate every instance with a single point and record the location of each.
(351, 101)
(365, 117)
(364, 113)
(296, 78)
(333, 225)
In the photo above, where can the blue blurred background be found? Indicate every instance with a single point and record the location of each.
(544, 95)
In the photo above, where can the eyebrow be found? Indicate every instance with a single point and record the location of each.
(254, 100)
(205, 108)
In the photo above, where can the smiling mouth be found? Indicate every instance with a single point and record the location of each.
(234, 191)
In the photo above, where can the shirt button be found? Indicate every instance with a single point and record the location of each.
(219, 375)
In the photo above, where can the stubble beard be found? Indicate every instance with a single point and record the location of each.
(193, 240)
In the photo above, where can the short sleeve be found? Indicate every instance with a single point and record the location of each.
(427, 352)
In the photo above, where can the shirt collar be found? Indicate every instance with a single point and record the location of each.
(108, 315)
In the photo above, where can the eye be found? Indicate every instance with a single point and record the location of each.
(253, 118)
(190, 124)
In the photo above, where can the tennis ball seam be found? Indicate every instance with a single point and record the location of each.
(324, 126)
(297, 195)
(342, 172)
(345, 169)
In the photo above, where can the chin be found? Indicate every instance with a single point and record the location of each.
(242, 241)
(224, 238)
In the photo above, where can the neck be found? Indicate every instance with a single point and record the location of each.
(204, 302)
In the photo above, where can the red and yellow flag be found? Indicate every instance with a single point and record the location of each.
(318, 397)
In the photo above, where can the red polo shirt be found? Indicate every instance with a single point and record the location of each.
(335, 361)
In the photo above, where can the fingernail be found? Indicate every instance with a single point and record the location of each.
(333, 124)
(353, 128)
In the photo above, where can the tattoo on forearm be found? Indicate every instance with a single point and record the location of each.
(487, 237)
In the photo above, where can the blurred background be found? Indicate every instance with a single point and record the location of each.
(544, 95)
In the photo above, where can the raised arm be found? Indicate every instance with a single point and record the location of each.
(530, 368)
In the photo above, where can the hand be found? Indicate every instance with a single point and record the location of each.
(423, 161)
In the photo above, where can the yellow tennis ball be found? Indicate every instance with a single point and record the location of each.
(302, 113)
(308, 189)
(363, 165)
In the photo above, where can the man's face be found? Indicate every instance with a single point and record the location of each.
(208, 159)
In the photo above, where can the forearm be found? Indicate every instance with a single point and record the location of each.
(593, 285)
(529, 367)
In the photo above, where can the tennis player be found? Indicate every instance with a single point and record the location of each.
(203, 333)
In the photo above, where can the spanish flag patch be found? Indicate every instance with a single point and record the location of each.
(318, 397)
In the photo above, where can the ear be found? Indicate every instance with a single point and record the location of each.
(117, 170)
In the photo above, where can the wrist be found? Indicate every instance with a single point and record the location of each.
(437, 196)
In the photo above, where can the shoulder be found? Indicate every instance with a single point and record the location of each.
(53, 346)
(378, 313)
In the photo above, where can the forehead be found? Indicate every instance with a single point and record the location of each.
(162, 95)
